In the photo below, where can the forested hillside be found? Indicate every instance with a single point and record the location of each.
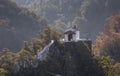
(85, 13)
(26, 54)
(16, 25)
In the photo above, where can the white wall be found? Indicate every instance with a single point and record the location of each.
(66, 38)
(77, 35)
(74, 37)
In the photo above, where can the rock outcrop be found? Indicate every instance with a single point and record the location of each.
(70, 59)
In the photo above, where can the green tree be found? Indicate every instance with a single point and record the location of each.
(46, 36)
(106, 65)
(24, 56)
(3, 71)
(7, 60)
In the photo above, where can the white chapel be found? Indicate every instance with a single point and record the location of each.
(72, 34)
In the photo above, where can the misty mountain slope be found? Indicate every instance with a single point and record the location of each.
(52, 9)
(16, 25)
(85, 13)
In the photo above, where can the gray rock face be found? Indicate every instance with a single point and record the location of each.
(71, 59)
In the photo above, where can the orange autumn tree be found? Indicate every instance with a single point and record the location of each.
(108, 42)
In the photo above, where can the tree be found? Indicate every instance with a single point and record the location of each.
(116, 69)
(106, 65)
(2, 71)
(107, 47)
(46, 36)
(108, 42)
(115, 23)
(7, 61)
(25, 57)
(50, 34)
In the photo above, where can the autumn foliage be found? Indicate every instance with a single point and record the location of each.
(108, 42)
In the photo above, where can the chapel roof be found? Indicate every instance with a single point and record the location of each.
(70, 30)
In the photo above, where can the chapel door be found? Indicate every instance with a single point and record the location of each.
(70, 37)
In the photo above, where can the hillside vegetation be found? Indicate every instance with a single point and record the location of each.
(85, 13)
(66, 59)
(16, 25)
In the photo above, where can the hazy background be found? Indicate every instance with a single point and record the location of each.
(23, 21)
(89, 15)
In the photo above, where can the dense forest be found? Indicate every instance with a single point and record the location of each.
(60, 14)
(104, 60)
(28, 26)
(17, 25)
(85, 13)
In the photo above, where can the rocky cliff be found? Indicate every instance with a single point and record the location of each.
(70, 59)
